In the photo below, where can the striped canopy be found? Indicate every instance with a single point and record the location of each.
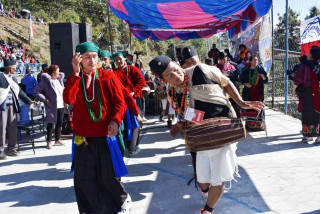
(182, 19)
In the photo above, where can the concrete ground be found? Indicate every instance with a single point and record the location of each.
(279, 174)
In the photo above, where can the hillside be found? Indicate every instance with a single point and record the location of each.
(40, 44)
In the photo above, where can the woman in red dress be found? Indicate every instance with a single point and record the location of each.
(307, 80)
(253, 79)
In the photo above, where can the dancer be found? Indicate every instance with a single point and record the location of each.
(216, 166)
(98, 108)
(132, 79)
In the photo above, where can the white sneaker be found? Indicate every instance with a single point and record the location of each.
(144, 119)
(317, 140)
(125, 208)
(306, 139)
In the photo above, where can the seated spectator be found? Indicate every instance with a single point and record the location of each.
(33, 60)
(30, 82)
(13, 12)
(228, 54)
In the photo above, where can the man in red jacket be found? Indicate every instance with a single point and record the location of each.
(98, 108)
(132, 79)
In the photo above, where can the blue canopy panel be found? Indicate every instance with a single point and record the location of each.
(181, 19)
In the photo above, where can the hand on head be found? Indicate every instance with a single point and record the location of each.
(76, 60)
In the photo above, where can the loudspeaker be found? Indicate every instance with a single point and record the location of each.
(64, 37)
(85, 32)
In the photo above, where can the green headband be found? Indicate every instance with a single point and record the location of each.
(105, 54)
(87, 47)
(119, 54)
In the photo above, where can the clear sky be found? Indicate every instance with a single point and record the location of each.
(300, 6)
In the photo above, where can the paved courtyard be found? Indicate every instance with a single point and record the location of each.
(279, 174)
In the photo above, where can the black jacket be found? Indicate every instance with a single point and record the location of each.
(245, 79)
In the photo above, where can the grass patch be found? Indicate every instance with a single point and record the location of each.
(40, 44)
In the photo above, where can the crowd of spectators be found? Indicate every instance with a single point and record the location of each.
(17, 53)
(14, 13)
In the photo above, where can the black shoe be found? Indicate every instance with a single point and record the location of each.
(161, 118)
(3, 156)
(169, 123)
(12, 152)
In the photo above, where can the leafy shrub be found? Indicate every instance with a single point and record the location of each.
(68, 15)
(41, 14)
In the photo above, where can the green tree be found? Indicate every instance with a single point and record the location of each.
(41, 14)
(294, 31)
(314, 11)
(68, 15)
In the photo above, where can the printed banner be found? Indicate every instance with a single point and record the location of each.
(258, 39)
(310, 30)
(310, 34)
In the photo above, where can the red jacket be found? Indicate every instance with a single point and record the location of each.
(113, 104)
(131, 103)
(246, 58)
(132, 80)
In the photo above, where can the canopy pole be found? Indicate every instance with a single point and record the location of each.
(130, 41)
(272, 55)
(174, 50)
(206, 45)
(286, 67)
(110, 37)
(147, 47)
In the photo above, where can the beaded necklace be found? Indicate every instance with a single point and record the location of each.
(180, 109)
(91, 113)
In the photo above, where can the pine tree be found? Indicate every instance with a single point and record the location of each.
(314, 11)
(294, 31)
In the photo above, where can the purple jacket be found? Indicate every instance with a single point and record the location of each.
(45, 90)
(303, 76)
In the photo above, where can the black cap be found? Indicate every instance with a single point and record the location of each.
(9, 62)
(43, 66)
(159, 64)
(315, 52)
(209, 61)
(242, 46)
(221, 55)
(189, 52)
(28, 71)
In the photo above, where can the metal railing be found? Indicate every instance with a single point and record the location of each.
(22, 66)
(275, 89)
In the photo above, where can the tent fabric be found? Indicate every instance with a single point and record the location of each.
(182, 19)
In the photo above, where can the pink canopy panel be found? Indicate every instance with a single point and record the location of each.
(181, 19)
